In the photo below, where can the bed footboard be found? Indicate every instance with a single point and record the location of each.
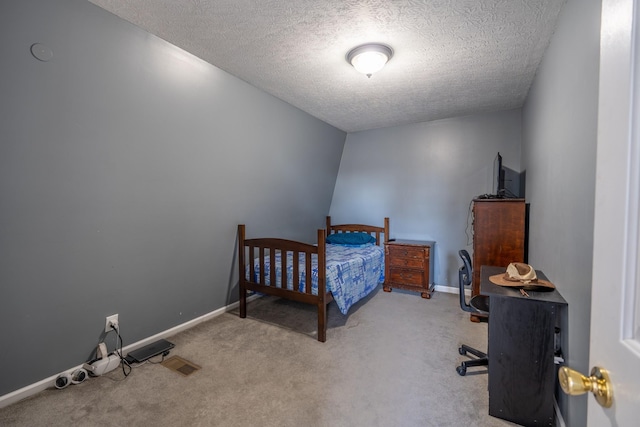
(259, 253)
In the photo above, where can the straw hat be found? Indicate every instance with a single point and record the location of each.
(521, 275)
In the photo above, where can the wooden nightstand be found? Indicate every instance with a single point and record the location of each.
(406, 266)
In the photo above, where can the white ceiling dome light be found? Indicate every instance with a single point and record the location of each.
(369, 58)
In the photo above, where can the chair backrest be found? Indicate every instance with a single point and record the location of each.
(465, 274)
(466, 260)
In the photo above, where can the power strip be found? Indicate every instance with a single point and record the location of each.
(102, 366)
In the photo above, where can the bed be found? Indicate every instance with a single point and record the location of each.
(344, 270)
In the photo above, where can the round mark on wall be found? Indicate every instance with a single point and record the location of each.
(41, 52)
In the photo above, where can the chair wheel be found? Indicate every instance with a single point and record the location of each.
(462, 371)
(461, 351)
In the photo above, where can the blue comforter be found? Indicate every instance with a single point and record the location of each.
(352, 272)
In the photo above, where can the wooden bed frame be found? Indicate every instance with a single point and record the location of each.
(249, 249)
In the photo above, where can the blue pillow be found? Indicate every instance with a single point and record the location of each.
(350, 238)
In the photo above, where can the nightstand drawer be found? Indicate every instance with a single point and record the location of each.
(407, 277)
(406, 262)
(406, 252)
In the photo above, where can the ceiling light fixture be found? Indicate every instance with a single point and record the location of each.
(369, 58)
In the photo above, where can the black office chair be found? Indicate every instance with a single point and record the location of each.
(478, 304)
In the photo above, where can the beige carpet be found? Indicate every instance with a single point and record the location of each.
(390, 362)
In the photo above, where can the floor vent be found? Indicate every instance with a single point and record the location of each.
(180, 365)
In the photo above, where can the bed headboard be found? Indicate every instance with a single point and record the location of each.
(361, 228)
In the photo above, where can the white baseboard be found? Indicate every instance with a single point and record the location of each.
(451, 290)
(49, 382)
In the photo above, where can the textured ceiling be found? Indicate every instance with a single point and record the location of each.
(452, 57)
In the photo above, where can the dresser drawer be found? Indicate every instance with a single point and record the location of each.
(407, 277)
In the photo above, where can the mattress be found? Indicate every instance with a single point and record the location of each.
(352, 272)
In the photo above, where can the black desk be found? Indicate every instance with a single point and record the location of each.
(522, 374)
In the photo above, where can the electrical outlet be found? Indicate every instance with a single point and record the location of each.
(111, 320)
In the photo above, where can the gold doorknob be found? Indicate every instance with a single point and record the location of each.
(574, 383)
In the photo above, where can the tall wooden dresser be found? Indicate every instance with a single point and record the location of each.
(498, 235)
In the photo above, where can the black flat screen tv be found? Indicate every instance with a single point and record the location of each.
(499, 176)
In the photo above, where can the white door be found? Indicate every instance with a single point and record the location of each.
(615, 306)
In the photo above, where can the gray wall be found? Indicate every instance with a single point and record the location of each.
(125, 166)
(424, 176)
(559, 156)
